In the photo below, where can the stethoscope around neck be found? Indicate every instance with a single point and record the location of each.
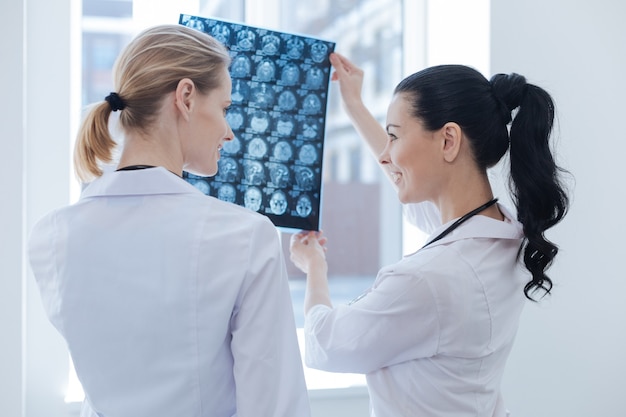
(461, 220)
(443, 234)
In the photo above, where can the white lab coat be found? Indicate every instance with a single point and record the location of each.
(434, 332)
(172, 303)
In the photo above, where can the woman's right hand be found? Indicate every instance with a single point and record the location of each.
(349, 77)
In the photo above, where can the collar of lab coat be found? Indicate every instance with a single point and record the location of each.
(480, 226)
(156, 180)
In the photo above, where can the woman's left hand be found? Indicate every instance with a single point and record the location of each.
(308, 250)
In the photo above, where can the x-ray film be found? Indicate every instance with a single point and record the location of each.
(278, 114)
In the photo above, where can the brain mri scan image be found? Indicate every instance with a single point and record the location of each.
(304, 206)
(254, 172)
(307, 154)
(295, 48)
(260, 121)
(280, 82)
(278, 202)
(257, 148)
(263, 96)
(221, 32)
(310, 129)
(270, 45)
(235, 117)
(195, 23)
(314, 78)
(253, 198)
(227, 169)
(287, 101)
(311, 104)
(227, 192)
(319, 51)
(282, 151)
(240, 91)
(240, 67)
(246, 39)
(279, 175)
(285, 125)
(305, 178)
(266, 70)
(290, 75)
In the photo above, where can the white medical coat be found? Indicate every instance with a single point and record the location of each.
(172, 303)
(435, 330)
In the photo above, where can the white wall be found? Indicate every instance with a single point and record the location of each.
(569, 356)
(11, 236)
(458, 33)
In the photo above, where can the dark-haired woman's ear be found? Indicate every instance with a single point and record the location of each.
(452, 138)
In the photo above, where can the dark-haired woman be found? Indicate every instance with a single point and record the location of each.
(434, 332)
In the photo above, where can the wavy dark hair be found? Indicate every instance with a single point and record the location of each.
(483, 109)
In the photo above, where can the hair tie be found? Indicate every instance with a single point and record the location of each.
(509, 91)
(115, 101)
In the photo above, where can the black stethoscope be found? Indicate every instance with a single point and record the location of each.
(460, 220)
(443, 234)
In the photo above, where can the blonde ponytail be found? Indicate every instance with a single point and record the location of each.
(94, 145)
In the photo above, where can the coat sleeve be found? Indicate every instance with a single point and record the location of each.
(395, 322)
(42, 257)
(269, 379)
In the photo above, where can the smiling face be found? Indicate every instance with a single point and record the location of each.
(412, 156)
(208, 129)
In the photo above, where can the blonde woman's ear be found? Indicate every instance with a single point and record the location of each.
(184, 96)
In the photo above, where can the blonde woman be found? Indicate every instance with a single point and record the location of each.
(172, 303)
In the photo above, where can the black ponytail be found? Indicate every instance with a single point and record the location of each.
(538, 193)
